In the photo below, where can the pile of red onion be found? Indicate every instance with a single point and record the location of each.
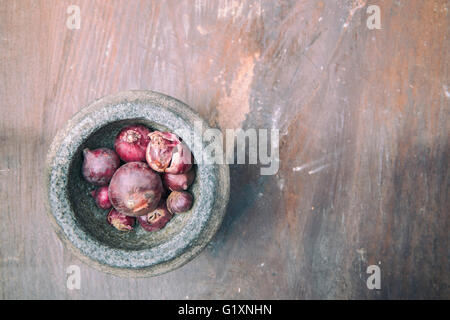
(146, 176)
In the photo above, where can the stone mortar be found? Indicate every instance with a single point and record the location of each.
(82, 227)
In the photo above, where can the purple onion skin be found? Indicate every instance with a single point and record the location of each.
(178, 182)
(120, 221)
(157, 219)
(181, 160)
(135, 189)
(131, 143)
(99, 165)
(160, 149)
(179, 202)
(101, 198)
(166, 153)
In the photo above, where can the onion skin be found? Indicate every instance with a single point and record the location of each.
(178, 182)
(120, 221)
(179, 202)
(99, 165)
(131, 143)
(101, 198)
(160, 149)
(181, 160)
(166, 153)
(157, 219)
(135, 189)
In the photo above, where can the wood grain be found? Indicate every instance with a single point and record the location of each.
(363, 117)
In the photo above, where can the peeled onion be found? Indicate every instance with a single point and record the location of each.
(166, 153)
(156, 219)
(120, 221)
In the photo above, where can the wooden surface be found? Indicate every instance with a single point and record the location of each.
(363, 117)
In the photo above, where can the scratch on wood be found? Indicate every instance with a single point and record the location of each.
(357, 4)
(362, 254)
(233, 108)
(319, 169)
(227, 8)
(447, 94)
(201, 30)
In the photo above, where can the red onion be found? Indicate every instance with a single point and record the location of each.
(179, 201)
(166, 153)
(178, 182)
(156, 219)
(131, 143)
(99, 165)
(120, 221)
(181, 160)
(101, 197)
(135, 189)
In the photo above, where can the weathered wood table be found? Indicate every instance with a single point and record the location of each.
(363, 115)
